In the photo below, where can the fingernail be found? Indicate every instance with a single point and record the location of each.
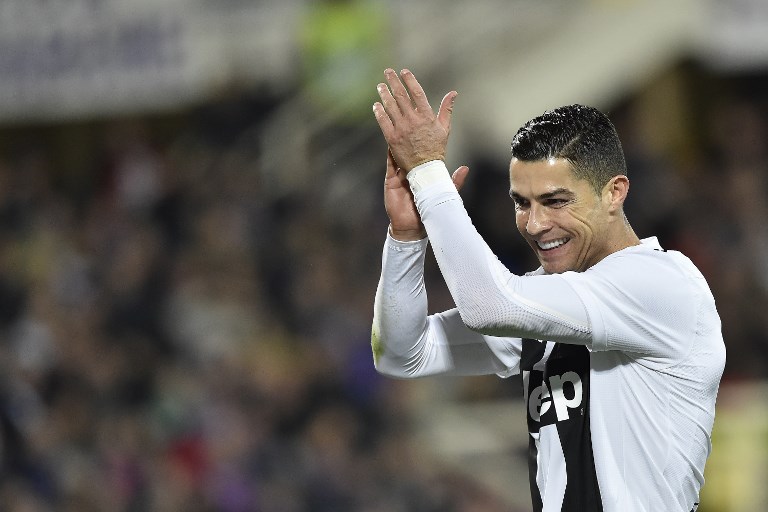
(389, 71)
(405, 72)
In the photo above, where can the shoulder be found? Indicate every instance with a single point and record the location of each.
(643, 300)
(646, 277)
(645, 264)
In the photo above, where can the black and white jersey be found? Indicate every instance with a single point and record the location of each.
(620, 364)
(556, 389)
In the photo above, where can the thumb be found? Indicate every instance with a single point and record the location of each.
(391, 165)
(446, 109)
(459, 176)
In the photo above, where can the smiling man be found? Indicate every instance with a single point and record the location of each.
(617, 341)
(568, 180)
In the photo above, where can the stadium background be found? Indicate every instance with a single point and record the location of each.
(191, 226)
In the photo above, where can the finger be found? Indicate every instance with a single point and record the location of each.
(395, 178)
(416, 91)
(385, 123)
(399, 92)
(389, 102)
(446, 109)
(459, 176)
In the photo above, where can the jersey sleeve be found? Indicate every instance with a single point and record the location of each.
(491, 299)
(407, 342)
(585, 308)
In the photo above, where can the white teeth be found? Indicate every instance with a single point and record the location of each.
(552, 243)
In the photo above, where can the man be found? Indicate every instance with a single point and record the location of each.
(617, 340)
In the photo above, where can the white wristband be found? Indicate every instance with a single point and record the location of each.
(426, 174)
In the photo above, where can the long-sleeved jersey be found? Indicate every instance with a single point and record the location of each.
(620, 364)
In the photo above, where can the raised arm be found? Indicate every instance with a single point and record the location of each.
(491, 300)
(405, 341)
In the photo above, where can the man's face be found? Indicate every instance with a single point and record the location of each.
(561, 217)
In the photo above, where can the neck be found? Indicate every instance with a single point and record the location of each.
(625, 238)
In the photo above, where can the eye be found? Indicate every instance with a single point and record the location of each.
(520, 203)
(556, 202)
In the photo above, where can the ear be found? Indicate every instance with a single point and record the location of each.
(615, 193)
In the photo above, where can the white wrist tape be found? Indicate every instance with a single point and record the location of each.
(426, 174)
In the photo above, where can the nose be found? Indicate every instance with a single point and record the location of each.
(538, 221)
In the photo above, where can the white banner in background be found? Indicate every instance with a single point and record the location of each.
(90, 57)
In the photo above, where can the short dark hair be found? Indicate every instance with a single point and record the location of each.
(582, 135)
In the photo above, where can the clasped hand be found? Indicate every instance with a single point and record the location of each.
(415, 135)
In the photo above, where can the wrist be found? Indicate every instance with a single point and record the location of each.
(407, 235)
(426, 160)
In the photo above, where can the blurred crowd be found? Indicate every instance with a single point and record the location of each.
(179, 333)
(176, 336)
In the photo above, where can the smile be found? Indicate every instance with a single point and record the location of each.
(552, 244)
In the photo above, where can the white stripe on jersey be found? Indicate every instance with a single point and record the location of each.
(552, 477)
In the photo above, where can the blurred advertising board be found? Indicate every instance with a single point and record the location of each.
(93, 57)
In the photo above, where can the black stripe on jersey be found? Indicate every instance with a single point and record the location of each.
(560, 397)
(532, 352)
(582, 492)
